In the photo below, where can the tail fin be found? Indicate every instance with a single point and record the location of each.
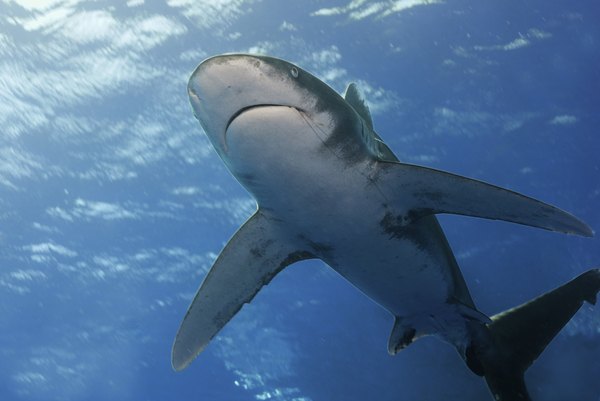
(519, 335)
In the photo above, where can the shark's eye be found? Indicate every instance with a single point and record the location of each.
(294, 72)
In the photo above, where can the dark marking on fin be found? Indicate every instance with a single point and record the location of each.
(296, 257)
(401, 337)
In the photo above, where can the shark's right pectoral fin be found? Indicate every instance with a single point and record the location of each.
(251, 258)
(421, 191)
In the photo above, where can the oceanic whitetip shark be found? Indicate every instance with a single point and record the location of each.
(328, 187)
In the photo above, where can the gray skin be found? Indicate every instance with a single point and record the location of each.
(327, 187)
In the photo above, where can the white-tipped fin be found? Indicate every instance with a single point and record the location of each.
(251, 258)
(419, 191)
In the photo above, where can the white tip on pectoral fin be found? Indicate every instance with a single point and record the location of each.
(251, 258)
(422, 191)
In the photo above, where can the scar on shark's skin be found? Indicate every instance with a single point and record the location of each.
(328, 187)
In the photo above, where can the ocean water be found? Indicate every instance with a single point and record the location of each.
(113, 204)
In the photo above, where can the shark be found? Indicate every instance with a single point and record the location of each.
(328, 187)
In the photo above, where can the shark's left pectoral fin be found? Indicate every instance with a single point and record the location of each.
(422, 191)
(251, 258)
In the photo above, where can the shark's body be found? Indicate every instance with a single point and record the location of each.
(327, 187)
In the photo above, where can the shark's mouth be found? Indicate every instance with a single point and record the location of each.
(253, 107)
(247, 108)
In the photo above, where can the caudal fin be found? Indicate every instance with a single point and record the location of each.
(521, 334)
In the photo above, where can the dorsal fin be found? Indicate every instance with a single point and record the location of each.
(359, 103)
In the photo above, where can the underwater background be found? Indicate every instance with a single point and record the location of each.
(113, 204)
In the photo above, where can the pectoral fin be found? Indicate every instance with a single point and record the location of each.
(251, 258)
(422, 191)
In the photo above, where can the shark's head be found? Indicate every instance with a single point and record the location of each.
(224, 87)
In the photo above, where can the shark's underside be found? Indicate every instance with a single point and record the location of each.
(328, 187)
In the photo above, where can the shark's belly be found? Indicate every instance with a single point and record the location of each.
(329, 204)
(408, 276)
(347, 223)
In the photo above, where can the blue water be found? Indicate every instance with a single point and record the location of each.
(113, 204)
